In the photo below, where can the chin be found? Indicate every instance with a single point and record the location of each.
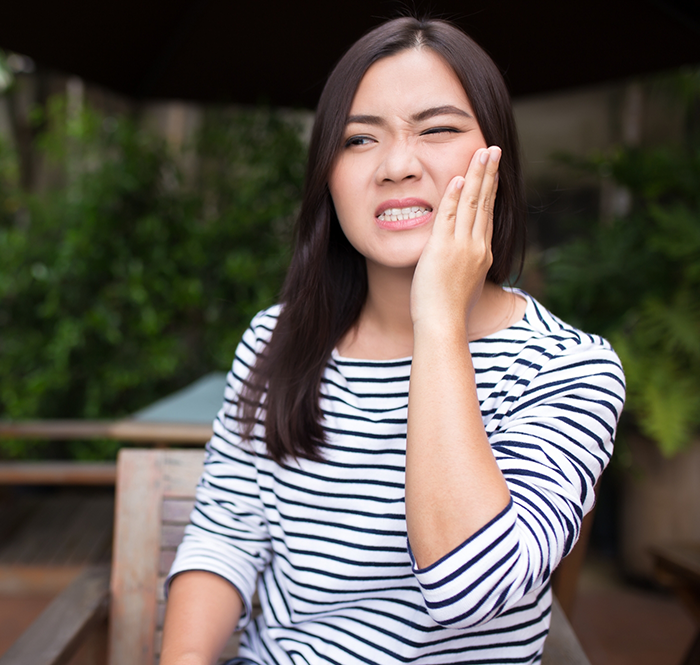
(396, 262)
(402, 254)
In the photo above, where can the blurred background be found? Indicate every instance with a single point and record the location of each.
(151, 164)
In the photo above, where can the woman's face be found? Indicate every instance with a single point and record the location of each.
(410, 130)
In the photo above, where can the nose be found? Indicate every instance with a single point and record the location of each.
(399, 162)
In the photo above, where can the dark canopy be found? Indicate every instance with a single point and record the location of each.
(281, 51)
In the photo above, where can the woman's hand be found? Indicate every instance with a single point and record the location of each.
(451, 272)
(453, 484)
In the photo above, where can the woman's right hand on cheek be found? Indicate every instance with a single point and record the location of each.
(452, 269)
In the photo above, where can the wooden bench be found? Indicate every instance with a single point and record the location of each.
(155, 490)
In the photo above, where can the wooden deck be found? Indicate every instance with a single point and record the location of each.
(46, 534)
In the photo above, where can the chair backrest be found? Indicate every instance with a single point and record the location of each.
(154, 498)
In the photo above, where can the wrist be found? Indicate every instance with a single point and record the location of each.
(451, 332)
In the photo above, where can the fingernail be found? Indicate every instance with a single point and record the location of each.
(459, 183)
(484, 156)
(495, 154)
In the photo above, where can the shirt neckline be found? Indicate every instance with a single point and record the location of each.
(388, 361)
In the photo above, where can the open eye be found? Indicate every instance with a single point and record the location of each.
(358, 140)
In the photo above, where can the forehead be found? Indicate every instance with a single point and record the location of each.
(410, 79)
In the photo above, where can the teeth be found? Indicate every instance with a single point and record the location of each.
(402, 214)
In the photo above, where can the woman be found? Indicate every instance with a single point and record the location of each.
(385, 520)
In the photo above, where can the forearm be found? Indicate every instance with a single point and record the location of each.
(453, 484)
(203, 610)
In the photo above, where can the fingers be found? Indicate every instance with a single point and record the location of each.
(475, 208)
(466, 208)
(447, 210)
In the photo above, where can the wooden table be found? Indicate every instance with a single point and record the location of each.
(678, 566)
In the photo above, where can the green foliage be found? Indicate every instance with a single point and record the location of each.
(636, 280)
(130, 280)
(6, 77)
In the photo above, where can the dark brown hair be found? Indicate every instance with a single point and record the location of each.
(326, 285)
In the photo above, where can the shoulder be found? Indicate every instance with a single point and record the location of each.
(264, 322)
(545, 327)
(254, 339)
(566, 351)
(259, 332)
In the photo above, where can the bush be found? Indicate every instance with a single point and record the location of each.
(636, 281)
(127, 283)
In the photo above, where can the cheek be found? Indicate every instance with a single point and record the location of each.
(464, 158)
(340, 188)
(446, 164)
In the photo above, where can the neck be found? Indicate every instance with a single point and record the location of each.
(384, 329)
(389, 298)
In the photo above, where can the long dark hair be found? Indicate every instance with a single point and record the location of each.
(326, 285)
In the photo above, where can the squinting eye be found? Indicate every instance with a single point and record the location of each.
(440, 130)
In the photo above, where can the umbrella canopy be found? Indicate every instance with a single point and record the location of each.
(280, 52)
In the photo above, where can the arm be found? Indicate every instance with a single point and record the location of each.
(453, 484)
(227, 543)
(203, 610)
(552, 442)
(478, 549)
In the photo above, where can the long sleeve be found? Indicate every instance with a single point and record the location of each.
(551, 441)
(228, 534)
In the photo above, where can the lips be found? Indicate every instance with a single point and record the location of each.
(398, 214)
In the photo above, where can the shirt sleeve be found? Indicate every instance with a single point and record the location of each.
(551, 448)
(228, 532)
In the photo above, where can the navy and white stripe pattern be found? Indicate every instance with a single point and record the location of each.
(326, 542)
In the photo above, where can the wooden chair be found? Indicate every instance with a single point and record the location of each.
(155, 490)
(677, 565)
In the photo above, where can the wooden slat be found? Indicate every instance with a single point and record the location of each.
(58, 473)
(174, 433)
(137, 431)
(166, 561)
(181, 472)
(160, 616)
(681, 559)
(135, 559)
(160, 590)
(55, 635)
(55, 429)
(177, 510)
(171, 535)
(28, 580)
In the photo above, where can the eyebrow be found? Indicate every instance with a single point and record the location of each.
(440, 110)
(376, 120)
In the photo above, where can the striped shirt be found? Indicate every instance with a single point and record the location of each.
(325, 543)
